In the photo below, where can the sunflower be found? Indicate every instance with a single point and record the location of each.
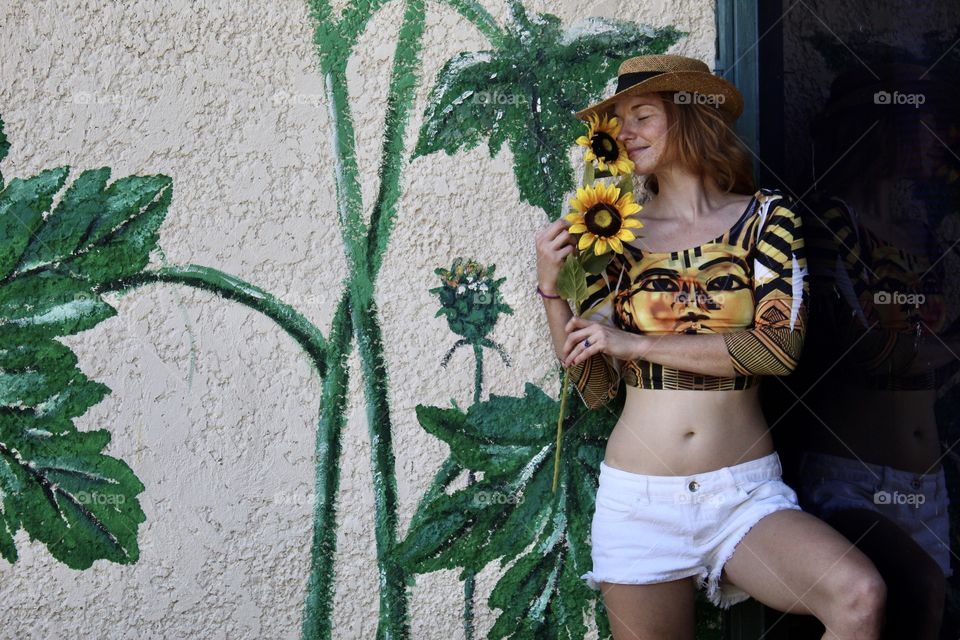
(601, 217)
(602, 145)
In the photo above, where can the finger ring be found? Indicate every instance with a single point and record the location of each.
(586, 343)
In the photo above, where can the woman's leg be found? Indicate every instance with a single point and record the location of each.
(796, 563)
(916, 586)
(662, 611)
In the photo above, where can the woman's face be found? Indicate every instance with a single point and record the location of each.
(643, 130)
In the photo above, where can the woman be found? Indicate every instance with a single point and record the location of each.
(690, 492)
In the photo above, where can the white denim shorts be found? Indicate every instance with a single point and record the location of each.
(649, 529)
(917, 502)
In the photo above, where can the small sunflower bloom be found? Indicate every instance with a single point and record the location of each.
(603, 147)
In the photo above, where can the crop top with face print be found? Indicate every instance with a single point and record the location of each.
(880, 299)
(749, 285)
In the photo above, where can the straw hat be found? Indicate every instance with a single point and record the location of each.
(690, 79)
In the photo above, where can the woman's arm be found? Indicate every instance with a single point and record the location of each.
(596, 377)
(705, 354)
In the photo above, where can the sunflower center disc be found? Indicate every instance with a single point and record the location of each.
(605, 147)
(602, 220)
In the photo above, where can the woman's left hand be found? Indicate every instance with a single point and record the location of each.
(603, 339)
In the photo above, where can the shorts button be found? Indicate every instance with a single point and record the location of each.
(693, 486)
(917, 483)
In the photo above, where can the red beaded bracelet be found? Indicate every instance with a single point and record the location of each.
(545, 295)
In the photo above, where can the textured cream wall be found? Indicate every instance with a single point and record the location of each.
(213, 406)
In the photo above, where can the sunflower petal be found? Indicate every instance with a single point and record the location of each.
(615, 244)
(626, 235)
(585, 241)
(577, 228)
(600, 247)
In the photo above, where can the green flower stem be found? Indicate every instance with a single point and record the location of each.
(334, 40)
(232, 288)
(563, 406)
(469, 582)
(393, 614)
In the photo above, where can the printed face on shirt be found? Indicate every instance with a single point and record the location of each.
(713, 295)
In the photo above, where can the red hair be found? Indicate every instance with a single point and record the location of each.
(701, 139)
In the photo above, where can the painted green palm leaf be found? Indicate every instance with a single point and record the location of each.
(527, 91)
(55, 482)
(511, 442)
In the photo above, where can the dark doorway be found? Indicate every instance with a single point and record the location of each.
(844, 96)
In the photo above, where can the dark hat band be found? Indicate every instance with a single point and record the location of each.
(629, 79)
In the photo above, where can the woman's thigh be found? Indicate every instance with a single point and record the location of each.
(663, 610)
(793, 562)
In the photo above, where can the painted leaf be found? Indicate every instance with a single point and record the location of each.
(59, 487)
(55, 482)
(527, 91)
(51, 265)
(511, 442)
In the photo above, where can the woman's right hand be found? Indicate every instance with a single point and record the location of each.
(554, 244)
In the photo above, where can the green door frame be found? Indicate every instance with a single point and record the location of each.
(750, 51)
(738, 60)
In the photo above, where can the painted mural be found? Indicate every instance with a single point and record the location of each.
(57, 265)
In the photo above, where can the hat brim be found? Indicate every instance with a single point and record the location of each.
(726, 96)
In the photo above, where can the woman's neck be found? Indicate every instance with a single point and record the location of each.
(685, 197)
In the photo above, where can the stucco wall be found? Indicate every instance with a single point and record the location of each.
(213, 406)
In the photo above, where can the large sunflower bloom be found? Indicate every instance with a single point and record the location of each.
(602, 217)
(602, 145)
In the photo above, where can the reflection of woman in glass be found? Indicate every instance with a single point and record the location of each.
(873, 468)
(690, 491)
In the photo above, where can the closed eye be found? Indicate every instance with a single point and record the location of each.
(728, 282)
(659, 284)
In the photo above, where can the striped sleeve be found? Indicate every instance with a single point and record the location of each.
(597, 379)
(772, 346)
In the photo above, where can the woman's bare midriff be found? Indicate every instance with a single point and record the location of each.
(893, 428)
(665, 432)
